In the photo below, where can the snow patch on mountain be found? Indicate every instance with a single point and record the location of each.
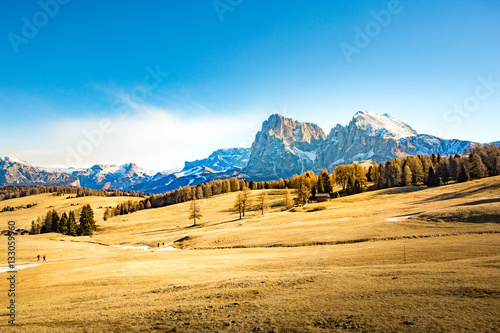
(309, 155)
(363, 156)
(12, 160)
(382, 125)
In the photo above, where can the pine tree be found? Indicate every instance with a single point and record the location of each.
(478, 169)
(463, 175)
(324, 184)
(194, 211)
(63, 224)
(54, 227)
(71, 224)
(432, 178)
(47, 223)
(87, 223)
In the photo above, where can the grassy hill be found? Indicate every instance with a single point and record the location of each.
(402, 259)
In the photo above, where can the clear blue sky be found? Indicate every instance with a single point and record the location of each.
(230, 67)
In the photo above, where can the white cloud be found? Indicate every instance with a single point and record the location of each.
(151, 137)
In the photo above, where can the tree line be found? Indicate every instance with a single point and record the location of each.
(19, 191)
(430, 170)
(66, 224)
(436, 170)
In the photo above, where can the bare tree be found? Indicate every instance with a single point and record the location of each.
(194, 210)
(263, 202)
(243, 201)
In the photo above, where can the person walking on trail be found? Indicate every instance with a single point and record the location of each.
(44, 258)
(38, 258)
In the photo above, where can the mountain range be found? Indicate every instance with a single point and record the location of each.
(282, 148)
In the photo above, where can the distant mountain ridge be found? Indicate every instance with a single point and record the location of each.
(16, 172)
(283, 147)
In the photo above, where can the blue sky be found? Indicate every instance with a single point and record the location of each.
(173, 80)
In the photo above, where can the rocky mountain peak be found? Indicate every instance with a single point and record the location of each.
(375, 124)
(285, 145)
(292, 130)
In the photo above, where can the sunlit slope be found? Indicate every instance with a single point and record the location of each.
(378, 261)
(47, 202)
(391, 213)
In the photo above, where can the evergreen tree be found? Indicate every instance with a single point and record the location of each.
(71, 224)
(63, 224)
(324, 184)
(432, 178)
(463, 175)
(47, 223)
(87, 223)
(194, 211)
(478, 170)
(55, 222)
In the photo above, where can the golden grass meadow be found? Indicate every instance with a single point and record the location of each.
(411, 259)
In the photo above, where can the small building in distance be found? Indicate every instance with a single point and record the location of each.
(322, 197)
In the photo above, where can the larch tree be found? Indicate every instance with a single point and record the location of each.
(288, 201)
(263, 203)
(194, 211)
(304, 194)
(243, 201)
(407, 175)
(238, 204)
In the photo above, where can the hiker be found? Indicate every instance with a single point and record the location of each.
(44, 258)
(158, 244)
(38, 258)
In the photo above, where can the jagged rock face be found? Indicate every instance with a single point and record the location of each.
(380, 138)
(15, 172)
(284, 147)
(222, 160)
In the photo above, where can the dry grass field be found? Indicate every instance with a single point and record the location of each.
(409, 259)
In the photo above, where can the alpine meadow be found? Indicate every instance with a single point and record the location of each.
(234, 166)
